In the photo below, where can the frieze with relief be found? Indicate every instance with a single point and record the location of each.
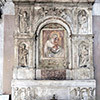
(65, 13)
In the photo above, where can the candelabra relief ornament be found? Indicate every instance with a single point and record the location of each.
(23, 55)
(82, 21)
(83, 55)
(23, 17)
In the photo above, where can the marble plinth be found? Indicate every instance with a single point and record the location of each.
(45, 89)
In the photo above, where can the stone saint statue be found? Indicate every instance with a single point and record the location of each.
(23, 56)
(82, 21)
(23, 21)
(83, 56)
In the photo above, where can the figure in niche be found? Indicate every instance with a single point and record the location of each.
(23, 55)
(82, 21)
(23, 21)
(83, 55)
(52, 47)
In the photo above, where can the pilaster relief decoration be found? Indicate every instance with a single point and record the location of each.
(83, 93)
(83, 54)
(23, 19)
(82, 22)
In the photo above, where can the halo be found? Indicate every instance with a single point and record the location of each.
(54, 33)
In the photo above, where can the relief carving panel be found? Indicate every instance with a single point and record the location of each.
(24, 93)
(23, 19)
(82, 21)
(83, 54)
(65, 13)
(83, 93)
(23, 54)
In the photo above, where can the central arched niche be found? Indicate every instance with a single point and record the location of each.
(54, 51)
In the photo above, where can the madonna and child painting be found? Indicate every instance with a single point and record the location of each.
(53, 43)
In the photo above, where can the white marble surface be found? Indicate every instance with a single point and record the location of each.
(23, 73)
(4, 97)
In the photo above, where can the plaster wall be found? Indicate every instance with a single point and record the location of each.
(1, 55)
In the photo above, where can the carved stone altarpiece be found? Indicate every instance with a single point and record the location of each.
(53, 51)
